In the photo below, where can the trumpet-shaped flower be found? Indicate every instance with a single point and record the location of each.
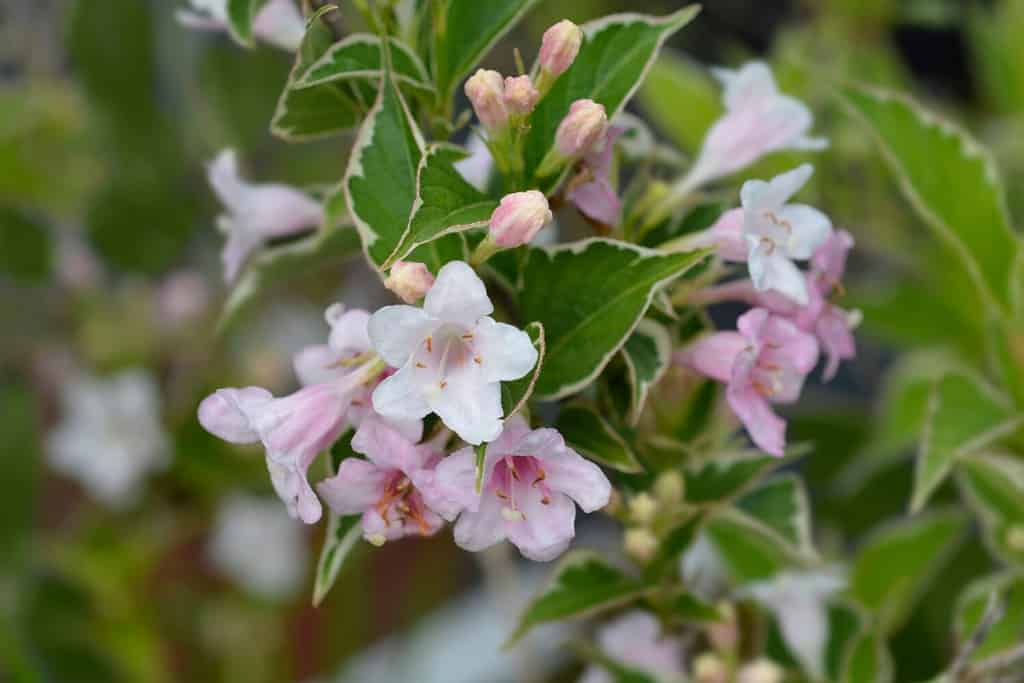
(765, 362)
(451, 356)
(592, 190)
(385, 488)
(635, 639)
(278, 23)
(256, 212)
(529, 482)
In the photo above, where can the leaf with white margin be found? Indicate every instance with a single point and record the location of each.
(590, 434)
(582, 584)
(241, 14)
(648, 354)
(380, 181)
(993, 486)
(952, 181)
(516, 393)
(590, 296)
(725, 476)
(358, 56)
(868, 659)
(445, 202)
(1005, 632)
(616, 53)
(964, 415)
(781, 504)
(751, 550)
(343, 532)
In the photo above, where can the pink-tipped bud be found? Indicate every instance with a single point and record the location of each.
(486, 91)
(582, 129)
(559, 47)
(520, 95)
(519, 217)
(410, 280)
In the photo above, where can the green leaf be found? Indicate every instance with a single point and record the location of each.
(845, 622)
(341, 537)
(868, 660)
(358, 57)
(380, 182)
(964, 415)
(951, 181)
(445, 203)
(19, 446)
(590, 295)
(1005, 632)
(437, 253)
(274, 266)
(994, 487)
(24, 247)
(898, 562)
(648, 353)
(751, 550)
(616, 53)
(582, 584)
(781, 504)
(690, 609)
(681, 99)
(725, 476)
(241, 14)
(672, 546)
(465, 32)
(590, 434)
(515, 394)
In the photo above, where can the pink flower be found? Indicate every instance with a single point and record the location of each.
(765, 362)
(530, 480)
(409, 280)
(519, 217)
(520, 95)
(592, 189)
(486, 92)
(635, 639)
(278, 23)
(256, 212)
(385, 488)
(582, 130)
(559, 47)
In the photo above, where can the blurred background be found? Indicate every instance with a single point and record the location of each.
(136, 547)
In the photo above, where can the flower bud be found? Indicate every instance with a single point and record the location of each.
(1015, 537)
(410, 280)
(669, 487)
(486, 91)
(520, 95)
(519, 217)
(709, 668)
(724, 635)
(582, 128)
(559, 47)
(760, 671)
(640, 544)
(642, 508)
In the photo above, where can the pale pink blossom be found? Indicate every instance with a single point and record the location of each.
(451, 356)
(409, 280)
(635, 640)
(520, 95)
(529, 482)
(385, 488)
(582, 130)
(486, 92)
(765, 362)
(518, 218)
(592, 190)
(278, 23)
(559, 47)
(256, 212)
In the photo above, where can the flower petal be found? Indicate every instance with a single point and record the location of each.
(713, 355)
(766, 429)
(810, 229)
(771, 195)
(386, 447)
(397, 331)
(228, 413)
(280, 24)
(598, 201)
(770, 269)
(506, 351)
(349, 329)
(452, 488)
(481, 528)
(458, 296)
(317, 365)
(546, 530)
(400, 396)
(468, 405)
(294, 490)
(222, 174)
(236, 251)
(356, 487)
(747, 85)
(276, 210)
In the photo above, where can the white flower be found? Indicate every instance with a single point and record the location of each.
(110, 436)
(258, 545)
(256, 212)
(799, 602)
(703, 571)
(777, 232)
(636, 640)
(278, 23)
(452, 357)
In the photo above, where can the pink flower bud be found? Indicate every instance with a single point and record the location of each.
(410, 280)
(520, 95)
(583, 128)
(559, 47)
(519, 217)
(486, 91)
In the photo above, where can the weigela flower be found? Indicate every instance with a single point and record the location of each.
(592, 190)
(518, 218)
(530, 480)
(559, 47)
(409, 280)
(582, 130)
(385, 488)
(452, 356)
(520, 95)
(486, 92)
(278, 23)
(765, 362)
(256, 212)
(636, 640)
(758, 120)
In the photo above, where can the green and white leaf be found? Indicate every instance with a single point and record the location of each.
(952, 182)
(993, 485)
(897, 564)
(341, 537)
(725, 476)
(515, 394)
(590, 296)
(648, 353)
(616, 53)
(590, 434)
(964, 415)
(751, 550)
(358, 56)
(781, 504)
(241, 14)
(582, 584)
(846, 622)
(672, 546)
(868, 660)
(1004, 633)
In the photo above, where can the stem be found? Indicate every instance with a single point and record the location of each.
(331, 19)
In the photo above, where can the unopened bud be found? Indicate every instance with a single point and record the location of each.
(724, 635)
(709, 668)
(559, 47)
(486, 91)
(583, 128)
(640, 544)
(669, 487)
(519, 217)
(410, 280)
(520, 95)
(1015, 538)
(760, 671)
(643, 508)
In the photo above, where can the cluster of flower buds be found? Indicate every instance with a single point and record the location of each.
(382, 374)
